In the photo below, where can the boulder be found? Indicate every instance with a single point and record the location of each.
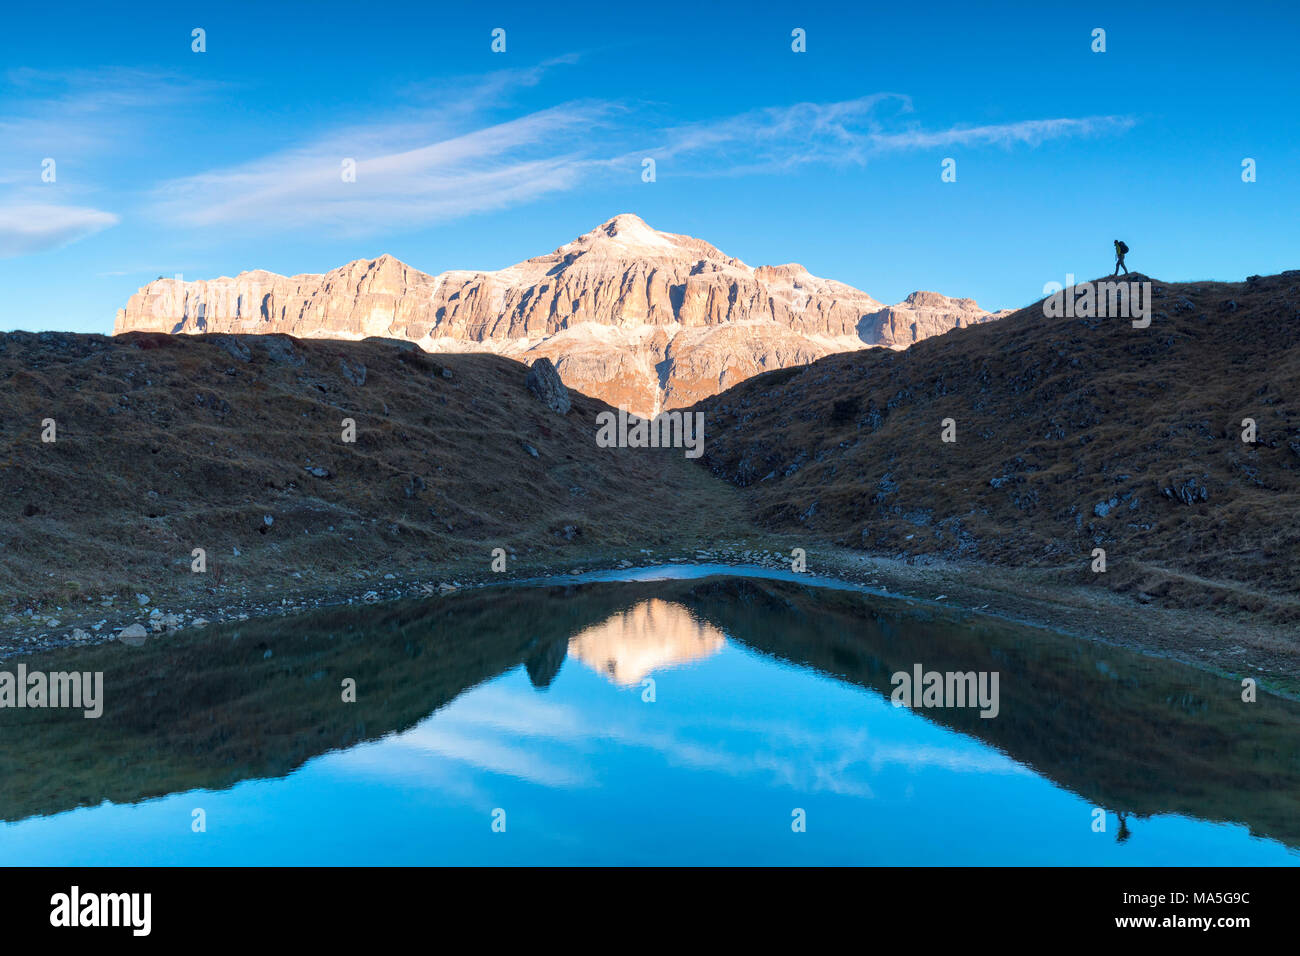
(544, 382)
(354, 372)
(281, 350)
(134, 635)
(233, 347)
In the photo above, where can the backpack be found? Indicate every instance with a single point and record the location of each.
(1123, 248)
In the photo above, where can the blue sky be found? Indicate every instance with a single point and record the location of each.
(169, 161)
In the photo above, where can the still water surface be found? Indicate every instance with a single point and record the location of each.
(672, 721)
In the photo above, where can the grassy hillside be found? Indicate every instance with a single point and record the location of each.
(166, 443)
(1072, 434)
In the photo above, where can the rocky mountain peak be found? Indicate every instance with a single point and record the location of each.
(935, 300)
(638, 317)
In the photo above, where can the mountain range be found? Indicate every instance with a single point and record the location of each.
(1098, 476)
(642, 319)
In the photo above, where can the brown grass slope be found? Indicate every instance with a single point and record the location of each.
(1072, 434)
(169, 443)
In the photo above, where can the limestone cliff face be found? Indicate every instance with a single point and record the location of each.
(640, 318)
(921, 315)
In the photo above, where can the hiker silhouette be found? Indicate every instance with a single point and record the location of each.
(1120, 251)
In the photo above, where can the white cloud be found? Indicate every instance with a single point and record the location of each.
(1028, 132)
(83, 113)
(445, 155)
(26, 228)
(438, 163)
(847, 132)
(470, 95)
(76, 119)
(399, 183)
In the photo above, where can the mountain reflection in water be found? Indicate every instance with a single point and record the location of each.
(649, 636)
(771, 696)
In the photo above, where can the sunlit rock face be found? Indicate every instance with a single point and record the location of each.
(648, 637)
(642, 319)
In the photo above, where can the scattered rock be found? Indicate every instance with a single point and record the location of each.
(142, 599)
(1189, 492)
(528, 448)
(544, 382)
(233, 347)
(280, 350)
(354, 372)
(133, 635)
(164, 622)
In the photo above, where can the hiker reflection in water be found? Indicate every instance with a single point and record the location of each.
(1123, 833)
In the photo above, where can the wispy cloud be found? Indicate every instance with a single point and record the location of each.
(443, 158)
(398, 183)
(847, 132)
(74, 119)
(454, 149)
(70, 115)
(26, 228)
(470, 95)
(787, 135)
(440, 158)
(1026, 132)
